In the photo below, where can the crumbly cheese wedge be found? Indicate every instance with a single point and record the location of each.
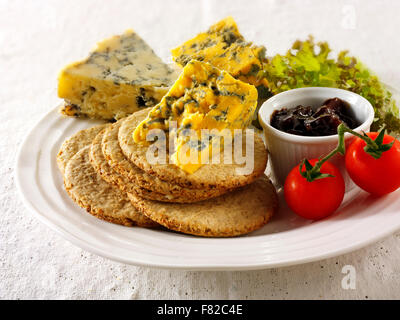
(122, 75)
(224, 47)
(203, 97)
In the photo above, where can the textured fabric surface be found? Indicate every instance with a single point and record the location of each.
(37, 38)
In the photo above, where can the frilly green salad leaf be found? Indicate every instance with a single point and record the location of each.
(308, 64)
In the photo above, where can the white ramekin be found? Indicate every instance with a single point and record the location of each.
(288, 150)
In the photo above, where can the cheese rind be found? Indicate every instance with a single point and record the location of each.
(224, 47)
(203, 97)
(122, 75)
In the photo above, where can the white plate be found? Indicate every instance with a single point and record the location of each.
(286, 240)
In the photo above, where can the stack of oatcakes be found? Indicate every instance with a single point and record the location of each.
(108, 174)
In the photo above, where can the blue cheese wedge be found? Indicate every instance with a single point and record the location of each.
(203, 97)
(121, 76)
(225, 48)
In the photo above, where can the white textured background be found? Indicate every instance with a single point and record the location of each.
(37, 38)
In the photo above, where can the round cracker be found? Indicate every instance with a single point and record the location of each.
(98, 197)
(236, 213)
(75, 143)
(219, 176)
(102, 167)
(150, 187)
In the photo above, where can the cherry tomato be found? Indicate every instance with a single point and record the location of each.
(376, 176)
(317, 199)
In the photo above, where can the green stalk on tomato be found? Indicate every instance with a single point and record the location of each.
(315, 188)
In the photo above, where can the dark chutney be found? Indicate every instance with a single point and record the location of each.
(304, 121)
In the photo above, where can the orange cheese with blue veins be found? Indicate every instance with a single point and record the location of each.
(203, 97)
(224, 47)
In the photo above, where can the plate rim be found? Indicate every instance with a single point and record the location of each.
(81, 243)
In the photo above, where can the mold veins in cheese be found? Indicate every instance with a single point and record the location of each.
(225, 48)
(122, 75)
(203, 97)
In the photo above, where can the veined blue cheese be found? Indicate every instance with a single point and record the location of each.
(122, 75)
(203, 97)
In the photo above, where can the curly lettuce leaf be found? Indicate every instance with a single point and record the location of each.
(308, 64)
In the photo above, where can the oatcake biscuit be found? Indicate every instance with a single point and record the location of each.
(238, 212)
(98, 197)
(72, 145)
(102, 167)
(218, 176)
(134, 178)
